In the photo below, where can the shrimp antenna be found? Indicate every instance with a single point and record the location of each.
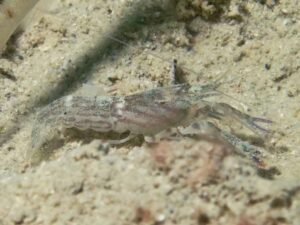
(219, 83)
(216, 84)
(150, 53)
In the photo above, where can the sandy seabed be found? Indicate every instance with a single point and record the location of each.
(254, 46)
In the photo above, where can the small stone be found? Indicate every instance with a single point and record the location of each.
(77, 188)
(17, 216)
(267, 66)
(285, 72)
(160, 218)
(239, 56)
(241, 42)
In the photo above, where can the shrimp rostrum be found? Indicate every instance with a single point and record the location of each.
(144, 113)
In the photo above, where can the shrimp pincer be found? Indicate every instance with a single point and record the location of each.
(144, 113)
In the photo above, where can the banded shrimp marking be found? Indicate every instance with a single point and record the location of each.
(147, 113)
(118, 100)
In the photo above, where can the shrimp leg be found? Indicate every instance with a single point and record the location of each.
(223, 110)
(211, 132)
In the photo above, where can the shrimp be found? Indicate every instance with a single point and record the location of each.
(144, 113)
